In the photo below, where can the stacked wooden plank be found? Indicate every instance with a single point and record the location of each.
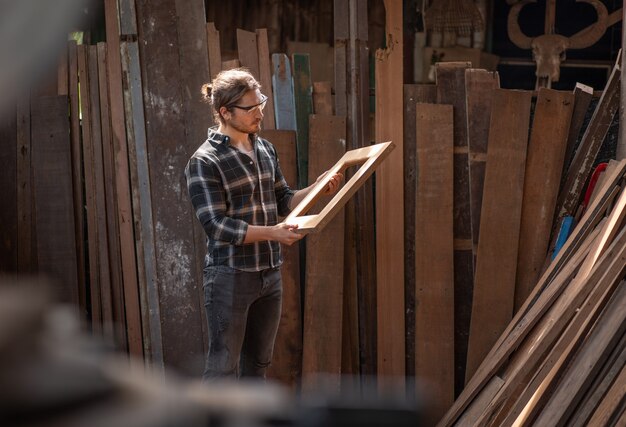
(551, 364)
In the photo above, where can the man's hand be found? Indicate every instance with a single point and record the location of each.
(285, 233)
(333, 184)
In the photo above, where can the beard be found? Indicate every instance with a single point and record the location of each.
(254, 127)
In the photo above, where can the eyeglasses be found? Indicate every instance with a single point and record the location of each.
(251, 109)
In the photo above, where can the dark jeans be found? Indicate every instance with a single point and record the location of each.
(243, 312)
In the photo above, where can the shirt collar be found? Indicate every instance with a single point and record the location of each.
(214, 135)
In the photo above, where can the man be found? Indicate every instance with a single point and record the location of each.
(238, 191)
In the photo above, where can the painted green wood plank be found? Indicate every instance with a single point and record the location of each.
(303, 96)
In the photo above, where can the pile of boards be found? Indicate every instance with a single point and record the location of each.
(492, 186)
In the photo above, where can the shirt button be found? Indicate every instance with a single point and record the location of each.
(251, 163)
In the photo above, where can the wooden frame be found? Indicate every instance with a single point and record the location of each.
(369, 157)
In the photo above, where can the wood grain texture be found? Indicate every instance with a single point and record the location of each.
(582, 98)
(322, 98)
(434, 257)
(390, 205)
(323, 301)
(214, 50)
(26, 251)
(282, 82)
(287, 360)
(496, 260)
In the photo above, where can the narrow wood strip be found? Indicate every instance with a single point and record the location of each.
(24, 190)
(303, 99)
(582, 98)
(90, 197)
(613, 399)
(390, 221)
(77, 177)
(230, 64)
(413, 95)
(100, 202)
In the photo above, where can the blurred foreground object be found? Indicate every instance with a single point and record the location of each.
(53, 374)
(32, 33)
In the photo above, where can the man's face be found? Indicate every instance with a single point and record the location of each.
(247, 113)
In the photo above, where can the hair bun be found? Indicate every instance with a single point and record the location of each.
(206, 91)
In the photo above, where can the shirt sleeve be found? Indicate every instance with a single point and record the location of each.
(284, 194)
(207, 194)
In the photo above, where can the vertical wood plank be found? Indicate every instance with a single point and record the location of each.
(125, 25)
(118, 317)
(62, 73)
(287, 360)
(90, 196)
(323, 302)
(100, 202)
(265, 74)
(322, 98)
(546, 151)
(8, 187)
(52, 180)
(230, 64)
(142, 204)
(26, 253)
(194, 70)
(213, 48)
(479, 87)
(496, 262)
(303, 100)
(582, 98)
(282, 81)
(413, 95)
(77, 177)
(248, 51)
(451, 90)
(434, 257)
(160, 30)
(390, 205)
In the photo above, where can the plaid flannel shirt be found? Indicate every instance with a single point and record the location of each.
(230, 191)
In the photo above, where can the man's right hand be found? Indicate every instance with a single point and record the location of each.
(286, 233)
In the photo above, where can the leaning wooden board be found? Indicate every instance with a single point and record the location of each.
(8, 176)
(434, 257)
(26, 250)
(303, 96)
(126, 25)
(159, 26)
(248, 52)
(450, 79)
(323, 301)
(52, 184)
(496, 260)
(546, 151)
(390, 205)
(287, 360)
(265, 75)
